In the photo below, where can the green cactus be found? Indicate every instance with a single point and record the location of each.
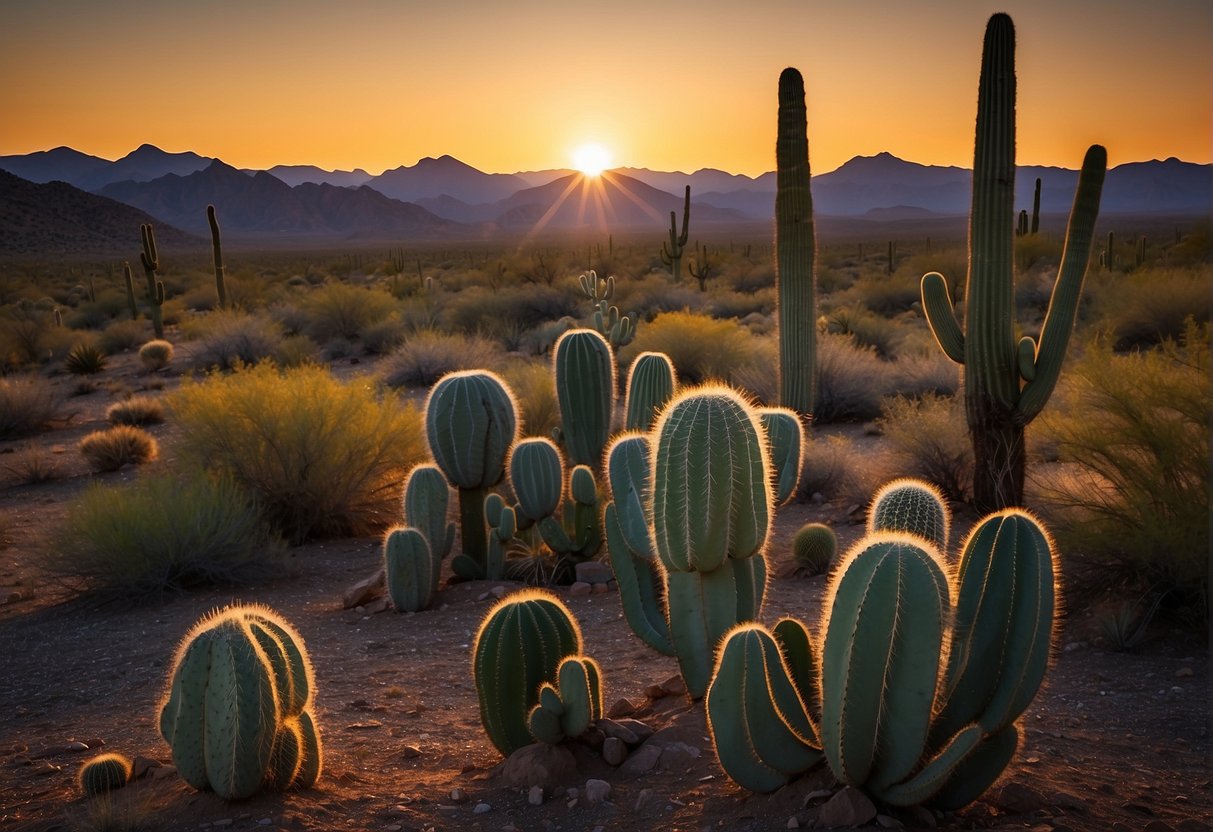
(408, 569)
(130, 291)
(785, 438)
(1007, 384)
(672, 249)
(471, 422)
(217, 251)
(237, 678)
(104, 773)
(616, 329)
(795, 251)
(426, 500)
(814, 547)
(536, 472)
(1021, 225)
(1035, 229)
(911, 506)
(577, 532)
(651, 383)
(1107, 258)
(567, 708)
(584, 369)
(702, 270)
(519, 646)
(155, 288)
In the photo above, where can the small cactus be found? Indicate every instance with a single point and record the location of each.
(426, 500)
(566, 709)
(814, 547)
(652, 382)
(785, 438)
(408, 569)
(104, 773)
(911, 506)
(672, 249)
(217, 251)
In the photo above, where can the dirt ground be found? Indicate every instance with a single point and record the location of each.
(1114, 741)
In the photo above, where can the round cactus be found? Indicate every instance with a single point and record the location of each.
(585, 388)
(519, 647)
(651, 383)
(912, 506)
(814, 547)
(537, 476)
(104, 773)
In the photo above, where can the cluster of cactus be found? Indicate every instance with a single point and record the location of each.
(674, 247)
(470, 423)
(413, 553)
(696, 492)
(795, 251)
(217, 252)
(154, 294)
(1007, 383)
(532, 681)
(911, 506)
(909, 697)
(568, 522)
(104, 773)
(814, 547)
(617, 329)
(237, 709)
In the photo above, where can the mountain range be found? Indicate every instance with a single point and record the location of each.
(444, 197)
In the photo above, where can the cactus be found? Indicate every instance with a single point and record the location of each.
(130, 291)
(471, 422)
(155, 288)
(701, 271)
(104, 773)
(814, 547)
(672, 249)
(1139, 255)
(1021, 225)
(217, 251)
(616, 329)
(1006, 384)
(536, 472)
(519, 647)
(911, 506)
(408, 569)
(240, 678)
(1107, 259)
(1035, 229)
(584, 368)
(795, 251)
(567, 709)
(426, 499)
(651, 383)
(785, 438)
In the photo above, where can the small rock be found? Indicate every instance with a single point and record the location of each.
(162, 772)
(44, 767)
(654, 691)
(597, 791)
(377, 606)
(642, 799)
(888, 822)
(363, 591)
(793, 822)
(817, 794)
(598, 589)
(923, 817)
(539, 764)
(580, 589)
(267, 822)
(622, 707)
(222, 822)
(642, 761)
(613, 729)
(674, 686)
(593, 572)
(535, 796)
(614, 751)
(410, 752)
(1017, 799)
(1183, 673)
(77, 746)
(458, 796)
(818, 498)
(850, 807)
(140, 766)
(484, 596)
(369, 725)
(481, 808)
(573, 793)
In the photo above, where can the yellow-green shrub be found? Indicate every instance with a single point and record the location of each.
(701, 347)
(109, 450)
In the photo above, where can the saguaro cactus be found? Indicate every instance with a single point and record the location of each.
(1007, 384)
(155, 288)
(217, 251)
(795, 251)
(1036, 208)
(672, 249)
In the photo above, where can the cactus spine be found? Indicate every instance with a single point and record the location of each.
(651, 383)
(520, 646)
(672, 249)
(217, 251)
(911, 506)
(155, 287)
(584, 368)
(1007, 384)
(470, 424)
(426, 499)
(408, 569)
(795, 251)
(104, 773)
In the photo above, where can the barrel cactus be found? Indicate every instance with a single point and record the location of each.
(651, 383)
(408, 569)
(104, 773)
(814, 547)
(568, 707)
(912, 506)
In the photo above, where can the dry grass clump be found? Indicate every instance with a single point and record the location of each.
(339, 310)
(535, 392)
(930, 441)
(321, 457)
(1150, 305)
(32, 464)
(835, 469)
(851, 381)
(121, 336)
(27, 404)
(137, 410)
(110, 449)
(428, 355)
(84, 359)
(231, 339)
(156, 354)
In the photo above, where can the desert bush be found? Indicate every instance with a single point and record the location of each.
(835, 468)
(156, 354)
(161, 533)
(535, 392)
(477, 310)
(867, 328)
(295, 350)
(110, 449)
(654, 295)
(291, 318)
(889, 294)
(32, 464)
(230, 339)
(121, 336)
(1151, 305)
(930, 440)
(339, 310)
(137, 410)
(382, 337)
(923, 373)
(428, 355)
(321, 458)
(739, 305)
(851, 380)
(84, 359)
(1136, 433)
(701, 347)
(27, 404)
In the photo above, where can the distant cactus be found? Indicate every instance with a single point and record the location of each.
(672, 249)
(104, 773)
(616, 329)
(1021, 225)
(1107, 258)
(217, 251)
(1036, 208)
(155, 288)
(814, 547)
(651, 383)
(129, 282)
(408, 569)
(701, 268)
(911, 506)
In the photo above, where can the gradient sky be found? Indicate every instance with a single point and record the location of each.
(668, 85)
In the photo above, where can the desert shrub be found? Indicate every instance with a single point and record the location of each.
(535, 392)
(84, 359)
(654, 295)
(701, 347)
(1151, 305)
(339, 310)
(110, 449)
(121, 336)
(867, 328)
(137, 410)
(1137, 436)
(478, 310)
(759, 377)
(428, 355)
(930, 440)
(321, 458)
(739, 305)
(295, 350)
(851, 380)
(230, 339)
(32, 464)
(27, 404)
(748, 278)
(291, 318)
(835, 468)
(382, 337)
(889, 294)
(924, 373)
(156, 354)
(161, 533)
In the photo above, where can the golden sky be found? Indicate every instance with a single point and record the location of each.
(668, 85)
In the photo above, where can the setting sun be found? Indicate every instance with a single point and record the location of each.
(591, 159)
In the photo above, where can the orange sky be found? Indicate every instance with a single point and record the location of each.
(665, 85)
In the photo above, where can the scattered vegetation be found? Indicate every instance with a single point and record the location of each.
(110, 449)
(27, 404)
(137, 410)
(156, 355)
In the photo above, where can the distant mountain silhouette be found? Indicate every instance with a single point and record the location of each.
(446, 176)
(62, 164)
(261, 204)
(90, 173)
(704, 180)
(298, 174)
(57, 218)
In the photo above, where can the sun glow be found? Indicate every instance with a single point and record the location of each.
(591, 159)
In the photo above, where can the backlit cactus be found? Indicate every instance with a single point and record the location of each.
(1007, 382)
(154, 294)
(471, 422)
(408, 569)
(104, 773)
(615, 328)
(584, 368)
(912, 506)
(241, 681)
(672, 249)
(536, 472)
(785, 438)
(577, 533)
(568, 707)
(651, 383)
(519, 646)
(814, 547)
(795, 251)
(427, 498)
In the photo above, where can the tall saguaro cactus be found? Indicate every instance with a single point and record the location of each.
(155, 288)
(217, 250)
(1007, 384)
(672, 249)
(795, 249)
